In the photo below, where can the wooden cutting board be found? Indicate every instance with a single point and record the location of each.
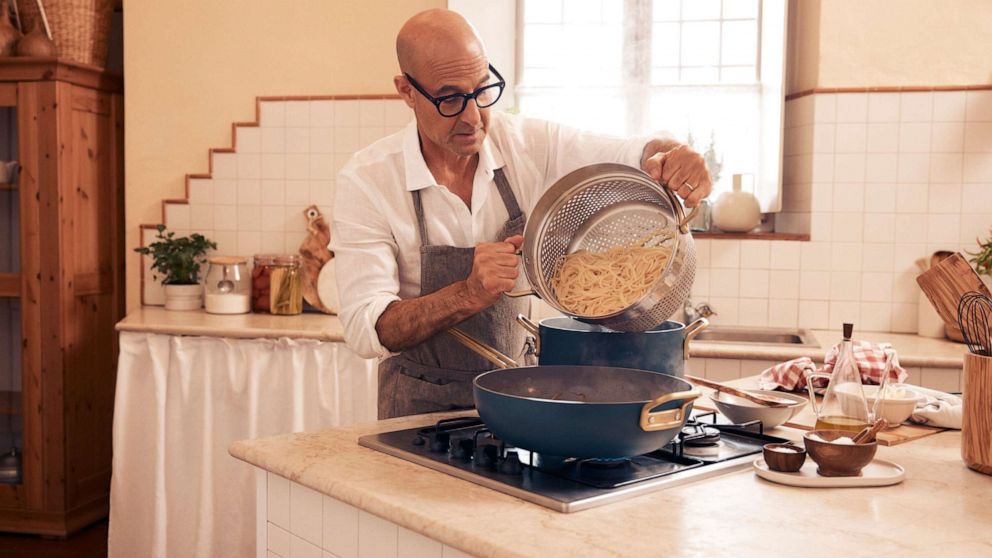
(946, 282)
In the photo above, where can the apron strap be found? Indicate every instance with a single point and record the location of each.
(502, 186)
(418, 208)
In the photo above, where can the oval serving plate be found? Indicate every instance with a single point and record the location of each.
(877, 473)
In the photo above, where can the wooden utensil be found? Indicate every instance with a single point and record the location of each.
(946, 282)
(765, 400)
(867, 436)
(976, 427)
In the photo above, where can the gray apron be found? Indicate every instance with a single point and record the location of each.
(437, 374)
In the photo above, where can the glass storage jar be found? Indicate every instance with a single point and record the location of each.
(277, 284)
(227, 285)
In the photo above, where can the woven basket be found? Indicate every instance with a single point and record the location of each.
(80, 28)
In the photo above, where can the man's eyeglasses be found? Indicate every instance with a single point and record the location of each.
(453, 105)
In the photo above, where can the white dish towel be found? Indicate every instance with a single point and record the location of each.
(935, 408)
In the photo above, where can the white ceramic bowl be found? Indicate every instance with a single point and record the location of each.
(739, 410)
(896, 405)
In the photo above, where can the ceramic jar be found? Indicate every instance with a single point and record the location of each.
(737, 211)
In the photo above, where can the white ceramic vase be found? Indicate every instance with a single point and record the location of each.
(183, 297)
(736, 211)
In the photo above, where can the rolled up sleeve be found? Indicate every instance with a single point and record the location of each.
(365, 265)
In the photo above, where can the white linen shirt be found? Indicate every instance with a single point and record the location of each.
(374, 234)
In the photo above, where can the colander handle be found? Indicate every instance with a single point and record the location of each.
(679, 213)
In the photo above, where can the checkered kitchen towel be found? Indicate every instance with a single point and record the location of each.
(791, 375)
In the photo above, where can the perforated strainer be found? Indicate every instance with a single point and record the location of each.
(599, 207)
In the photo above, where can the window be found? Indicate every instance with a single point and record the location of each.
(706, 70)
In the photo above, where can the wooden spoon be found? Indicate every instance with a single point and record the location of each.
(867, 435)
(759, 398)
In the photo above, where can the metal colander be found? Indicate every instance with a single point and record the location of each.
(596, 208)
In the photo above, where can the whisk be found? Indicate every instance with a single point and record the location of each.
(974, 315)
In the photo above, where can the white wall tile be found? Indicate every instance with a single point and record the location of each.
(916, 107)
(278, 500)
(249, 192)
(848, 227)
(947, 137)
(703, 252)
(725, 254)
(849, 167)
(227, 242)
(249, 218)
(449, 552)
(723, 369)
(949, 106)
(784, 255)
(274, 242)
(754, 283)
(946, 167)
(321, 140)
(877, 257)
(977, 167)
(755, 254)
(914, 167)
(397, 113)
(247, 139)
(823, 167)
(814, 285)
(881, 167)
(346, 114)
(845, 286)
(298, 140)
(903, 317)
(911, 227)
(822, 196)
(914, 137)
(904, 286)
(942, 229)
(883, 137)
(824, 107)
(879, 227)
(200, 191)
(322, 166)
(249, 165)
(377, 537)
(297, 114)
(701, 285)
(783, 284)
(979, 106)
(272, 113)
(852, 107)
(877, 287)
(846, 256)
(726, 310)
(298, 166)
(249, 242)
(815, 256)
(814, 314)
(824, 137)
(226, 217)
(177, 215)
(370, 134)
(272, 193)
(842, 312)
(849, 197)
(883, 107)
(781, 313)
(725, 282)
(322, 113)
(224, 165)
(912, 197)
(202, 215)
(225, 191)
(973, 226)
(753, 312)
(850, 137)
(876, 316)
(340, 528)
(279, 541)
(821, 226)
(306, 513)
(304, 549)
(978, 137)
(415, 545)
(297, 194)
(880, 198)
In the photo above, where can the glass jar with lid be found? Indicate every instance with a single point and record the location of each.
(227, 285)
(277, 284)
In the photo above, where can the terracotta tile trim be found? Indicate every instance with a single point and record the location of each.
(234, 136)
(751, 236)
(889, 89)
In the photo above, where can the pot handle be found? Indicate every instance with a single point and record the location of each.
(812, 394)
(483, 350)
(533, 330)
(691, 331)
(670, 418)
(681, 218)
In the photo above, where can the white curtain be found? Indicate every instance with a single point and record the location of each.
(181, 401)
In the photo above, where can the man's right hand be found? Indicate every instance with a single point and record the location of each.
(494, 270)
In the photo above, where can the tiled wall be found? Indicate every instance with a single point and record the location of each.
(879, 180)
(254, 199)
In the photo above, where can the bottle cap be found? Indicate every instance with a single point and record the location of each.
(848, 331)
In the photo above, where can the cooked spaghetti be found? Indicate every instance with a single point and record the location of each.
(601, 283)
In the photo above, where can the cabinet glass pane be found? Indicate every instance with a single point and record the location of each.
(11, 423)
(9, 209)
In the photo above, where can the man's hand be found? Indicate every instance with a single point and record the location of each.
(494, 270)
(682, 169)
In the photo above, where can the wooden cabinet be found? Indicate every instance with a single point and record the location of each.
(67, 283)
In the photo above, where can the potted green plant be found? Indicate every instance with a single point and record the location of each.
(982, 259)
(179, 260)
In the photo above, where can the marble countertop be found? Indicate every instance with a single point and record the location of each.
(913, 350)
(942, 507)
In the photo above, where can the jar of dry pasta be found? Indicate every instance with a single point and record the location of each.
(277, 284)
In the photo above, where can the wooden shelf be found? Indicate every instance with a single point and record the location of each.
(10, 402)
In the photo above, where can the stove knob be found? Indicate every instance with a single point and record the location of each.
(439, 442)
(486, 455)
(510, 465)
(463, 449)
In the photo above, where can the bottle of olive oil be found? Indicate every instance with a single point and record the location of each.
(844, 406)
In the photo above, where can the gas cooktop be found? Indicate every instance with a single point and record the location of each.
(465, 448)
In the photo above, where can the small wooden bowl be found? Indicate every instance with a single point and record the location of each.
(838, 460)
(786, 458)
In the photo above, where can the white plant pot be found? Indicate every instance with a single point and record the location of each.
(183, 297)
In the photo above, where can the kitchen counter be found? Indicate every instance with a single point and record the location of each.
(913, 350)
(155, 319)
(942, 507)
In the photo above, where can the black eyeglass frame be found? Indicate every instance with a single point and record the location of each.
(465, 97)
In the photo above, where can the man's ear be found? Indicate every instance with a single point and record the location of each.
(404, 89)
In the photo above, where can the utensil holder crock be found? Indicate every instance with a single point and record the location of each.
(976, 428)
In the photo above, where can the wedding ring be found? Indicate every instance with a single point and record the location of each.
(689, 186)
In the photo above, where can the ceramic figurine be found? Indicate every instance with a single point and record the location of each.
(315, 254)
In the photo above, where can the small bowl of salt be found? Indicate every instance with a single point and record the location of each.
(786, 458)
(836, 454)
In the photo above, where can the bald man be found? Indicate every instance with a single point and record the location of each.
(427, 222)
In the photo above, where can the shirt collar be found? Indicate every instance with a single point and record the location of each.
(418, 176)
